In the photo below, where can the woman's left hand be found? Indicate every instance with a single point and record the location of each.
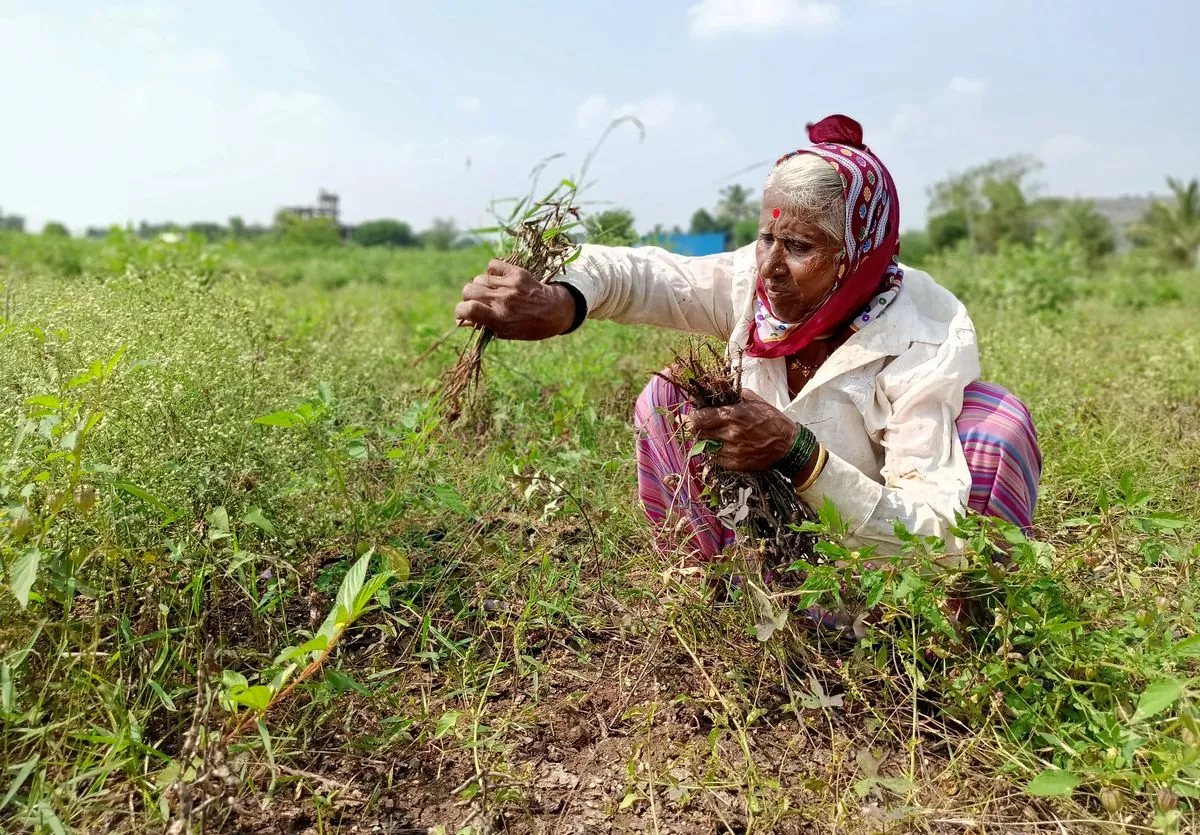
(754, 435)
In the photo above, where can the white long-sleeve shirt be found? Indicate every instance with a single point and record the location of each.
(884, 404)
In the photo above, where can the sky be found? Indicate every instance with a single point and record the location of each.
(130, 111)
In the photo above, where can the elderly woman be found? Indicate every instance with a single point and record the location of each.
(860, 375)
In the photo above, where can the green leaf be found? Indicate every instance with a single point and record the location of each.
(342, 683)
(254, 516)
(265, 736)
(363, 598)
(397, 562)
(46, 813)
(46, 401)
(343, 606)
(450, 499)
(280, 679)
(231, 679)
(218, 517)
(284, 418)
(1164, 521)
(256, 698)
(167, 701)
(316, 644)
(113, 360)
(1127, 485)
(1188, 647)
(23, 771)
(1158, 697)
(1053, 782)
(149, 498)
(898, 785)
(81, 379)
(22, 573)
(446, 723)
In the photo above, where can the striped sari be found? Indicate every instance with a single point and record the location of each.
(996, 430)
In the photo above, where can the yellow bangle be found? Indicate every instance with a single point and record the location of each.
(822, 458)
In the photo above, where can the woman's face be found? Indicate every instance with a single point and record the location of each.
(797, 261)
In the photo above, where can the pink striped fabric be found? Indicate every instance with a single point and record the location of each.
(1001, 448)
(996, 430)
(668, 483)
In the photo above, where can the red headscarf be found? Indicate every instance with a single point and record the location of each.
(870, 249)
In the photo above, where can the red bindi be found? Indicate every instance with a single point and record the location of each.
(775, 213)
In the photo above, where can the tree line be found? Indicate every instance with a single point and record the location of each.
(979, 210)
(286, 227)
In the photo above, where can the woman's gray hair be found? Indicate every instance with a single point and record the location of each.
(808, 184)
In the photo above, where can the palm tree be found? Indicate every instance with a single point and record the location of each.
(1172, 229)
(734, 204)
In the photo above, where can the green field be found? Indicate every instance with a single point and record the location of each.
(530, 663)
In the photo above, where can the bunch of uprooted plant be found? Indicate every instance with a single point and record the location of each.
(762, 506)
(537, 235)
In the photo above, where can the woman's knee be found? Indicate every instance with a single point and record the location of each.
(657, 396)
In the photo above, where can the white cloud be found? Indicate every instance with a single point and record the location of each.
(712, 18)
(146, 30)
(657, 112)
(592, 113)
(963, 86)
(467, 104)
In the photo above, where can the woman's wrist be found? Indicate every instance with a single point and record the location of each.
(807, 477)
(578, 307)
(801, 455)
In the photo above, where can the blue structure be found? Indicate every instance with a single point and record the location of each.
(709, 243)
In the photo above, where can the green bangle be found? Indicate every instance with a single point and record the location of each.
(799, 455)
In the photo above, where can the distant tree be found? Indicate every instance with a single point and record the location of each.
(947, 229)
(676, 229)
(314, 231)
(1172, 228)
(734, 205)
(149, 231)
(745, 232)
(987, 203)
(237, 227)
(915, 247)
(703, 223)
(384, 232)
(211, 231)
(12, 223)
(613, 227)
(96, 232)
(1078, 222)
(54, 229)
(441, 235)
(1008, 216)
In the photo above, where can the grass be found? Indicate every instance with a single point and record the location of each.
(530, 663)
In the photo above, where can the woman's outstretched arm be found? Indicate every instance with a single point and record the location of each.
(651, 286)
(642, 285)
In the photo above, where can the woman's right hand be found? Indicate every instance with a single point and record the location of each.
(511, 303)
